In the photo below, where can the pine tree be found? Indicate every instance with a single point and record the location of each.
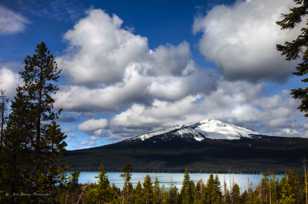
(199, 191)
(173, 197)
(273, 190)
(138, 196)
(39, 77)
(296, 186)
(235, 194)
(16, 155)
(265, 190)
(286, 194)
(212, 191)
(297, 49)
(147, 190)
(187, 191)
(227, 196)
(127, 197)
(33, 139)
(104, 191)
(157, 194)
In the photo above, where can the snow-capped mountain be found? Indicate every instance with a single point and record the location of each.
(205, 129)
(208, 145)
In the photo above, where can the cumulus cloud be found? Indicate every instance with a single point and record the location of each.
(242, 39)
(111, 68)
(157, 114)
(236, 102)
(8, 81)
(135, 87)
(101, 50)
(11, 22)
(93, 126)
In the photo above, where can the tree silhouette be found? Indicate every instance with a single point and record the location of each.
(297, 48)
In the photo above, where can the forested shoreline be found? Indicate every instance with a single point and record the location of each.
(289, 189)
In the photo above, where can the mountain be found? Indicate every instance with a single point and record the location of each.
(208, 145)
(206, 129)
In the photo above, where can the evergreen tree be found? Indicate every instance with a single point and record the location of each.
(297, 49)
(16, 155)
(273, 190)
(265, 189)
(212, 191)
(173, 197)
(227, 196)
(138, 194)
(157, 194)
(235, 194)
(104, 191)
(39, 77)
(33, 140)
(296, 185)
(148, 190)
(127, 197)
(187, 193)
(286, 194)
(199, 191)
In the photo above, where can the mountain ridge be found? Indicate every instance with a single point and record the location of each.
(198, 147)
(205, 129)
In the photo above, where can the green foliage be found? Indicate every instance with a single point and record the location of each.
(148, 190)
(269, 191)
(187, 192)
(173, 196)
(33, 141)
(138, 194)
(235, 194)
(127, 197)
(213, 191)
(297, 48)
(287, 196)
(157, 194)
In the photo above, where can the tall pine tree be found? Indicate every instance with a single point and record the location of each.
(33, 139)
(297, 49)
(17, 158)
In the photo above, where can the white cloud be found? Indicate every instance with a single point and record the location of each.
(242, 39)
(8, 81)
(111, 68)
(11, 22)
(236, 102)
(93, 126)
(158, 114)
(101, 50)
(134, 88)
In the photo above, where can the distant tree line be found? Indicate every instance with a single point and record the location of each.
(290, 189)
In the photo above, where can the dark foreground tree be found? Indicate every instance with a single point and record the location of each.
(297, 49)
(33, 140)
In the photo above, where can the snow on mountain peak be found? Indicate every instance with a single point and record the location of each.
(216, 129)
(209, 128)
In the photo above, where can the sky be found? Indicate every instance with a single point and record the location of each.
(134, 66)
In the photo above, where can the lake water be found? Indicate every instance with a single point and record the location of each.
(175, 179)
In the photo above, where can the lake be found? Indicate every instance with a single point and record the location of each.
(175, 179)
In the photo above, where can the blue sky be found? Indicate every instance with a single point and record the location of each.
(176, 62)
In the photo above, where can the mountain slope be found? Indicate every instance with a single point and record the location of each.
(209, 145)
(206, 129)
